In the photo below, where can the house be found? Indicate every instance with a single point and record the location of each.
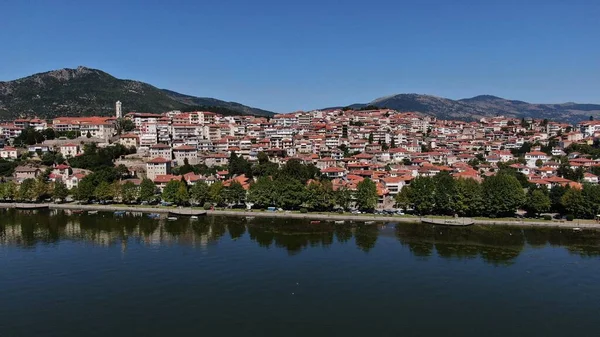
(533, 156)
(9, 153)
(69, 150)
(216, 159)
(130, 140)
(590, 178)
(38, 148)
(161, 151)
(162, 180)
(334, 172)
(184, 152)
(395, 184)
(158, 166)
(26, 172)
(73, 180)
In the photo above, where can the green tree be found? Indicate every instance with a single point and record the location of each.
(103, 191)
(88, 135)
(343, 197)
(215, 193)
(402, 199)
(319, 196)
(41, 189)
(445, 194)
(262, 192)
(147, 190)
(85, 189)
(59, 158)
(370, 138)
(366, 194)
(421, 194)
(48, 158)
(60, 191)
(116, 190)
(129, 192)
(502, 194)
(289, 193)
(469, 200)
(539, 163)
(574, 202)
(234, 193)
(27, 190)
(556, 194)
(537, 202)
(169, 193)
(199, 192)
(182, 196)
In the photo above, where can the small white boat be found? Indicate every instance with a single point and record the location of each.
(193, 217)
(92, 212)
(172, 218)
(339, 222)
(577, 229)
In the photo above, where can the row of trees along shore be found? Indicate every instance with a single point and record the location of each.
(499, 195)
(301, 186)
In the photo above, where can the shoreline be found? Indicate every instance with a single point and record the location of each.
(311, 216)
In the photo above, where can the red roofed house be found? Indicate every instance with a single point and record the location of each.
(69, 150)
(129, 140)
(334, 172)
(532, 157)
(185, 151)
(161, 151)
(162, 180)
(395, 184)
(9, 153)
(157, 166)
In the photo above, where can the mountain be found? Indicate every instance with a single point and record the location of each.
(84, 91)
(486, 106)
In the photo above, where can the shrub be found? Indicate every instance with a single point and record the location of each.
(303, 210)
(570, 217)
(547, 217)
(207, 205)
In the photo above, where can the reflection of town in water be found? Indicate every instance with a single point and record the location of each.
(496, 245)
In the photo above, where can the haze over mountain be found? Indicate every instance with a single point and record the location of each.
(484, 106)
(84, 91)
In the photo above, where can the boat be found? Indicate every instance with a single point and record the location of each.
(154, 215)
(194, 217)
(32, 206)
(186, 212)
(369, 222)
(77, 211)
(448, 222)
(339, 222)
(119, 213)
(577, 229)
(92, 212)
(172, 218)
(315, 222)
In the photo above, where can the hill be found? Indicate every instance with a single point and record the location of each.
(486, 106)
(84, 91)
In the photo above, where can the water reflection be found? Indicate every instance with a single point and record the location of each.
(495, 245)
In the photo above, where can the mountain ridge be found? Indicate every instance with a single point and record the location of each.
(484, 106)
(85, 91)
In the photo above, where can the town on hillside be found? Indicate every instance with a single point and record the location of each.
(344, 146)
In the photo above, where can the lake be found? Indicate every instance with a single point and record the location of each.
(65, 274)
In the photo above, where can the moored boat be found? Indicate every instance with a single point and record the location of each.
(172, 218)
(448, 222)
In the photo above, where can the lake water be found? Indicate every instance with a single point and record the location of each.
(104, 275)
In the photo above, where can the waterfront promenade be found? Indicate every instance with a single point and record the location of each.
(314, 216)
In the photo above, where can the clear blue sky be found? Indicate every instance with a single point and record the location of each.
(292, 55)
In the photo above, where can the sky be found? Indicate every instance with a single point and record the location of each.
(287, 55)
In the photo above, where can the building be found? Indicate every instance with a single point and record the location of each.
(9, 153)
(161, 151)
(118, 110)
(129, 140)
(183, 152)
(158, 166)
(26, 172)
(69, 150)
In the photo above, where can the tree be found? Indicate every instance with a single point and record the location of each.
(27, 190)
(169, 193)
(393, 143)
(539, 163)
(343, 197)
(60, 191)
(116, 190)
(366, 194)
(199, 192)
(537, 202)
(147, 190)
(88, 135)
(469, 200)
(40, 188)
(319, 196)
(262, 192)
(370, 138)
(129, 192)
(502, 194)
(85, 189)
(59, 158)
(556, 194)
(573, 202)
(402, 199)
(421, 194)
(289, 193)
(48, 158)
(182, 196)
(234, 193)
(215, 193)
(238, 165)
(591, 118)
(445, 194)
(103, 191)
